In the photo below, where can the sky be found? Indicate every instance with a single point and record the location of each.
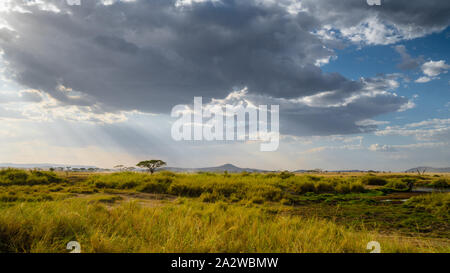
(358, 86)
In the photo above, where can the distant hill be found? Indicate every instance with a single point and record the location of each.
(335, 171)
(430, 170)
(227, 167)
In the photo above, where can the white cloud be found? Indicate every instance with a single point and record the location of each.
(433, 69)
(381, 148)
(372, 32)
(398, 148)
(368, 122)
(37, 106)
(423, 79)
(428, 130)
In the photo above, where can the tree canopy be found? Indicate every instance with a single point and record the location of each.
(151, 165)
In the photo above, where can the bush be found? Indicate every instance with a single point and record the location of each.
(270, 175)
(182, 189)
(286, 175)
(343, 188)
(307, 187)
(357, 187)
(128, 185)
(397, 186)
(21, 177)
(313, 178)
(153, 187)
(209, 197)
(324, 187)
(269, 193)
(441, 183)
(435, 203)
(374, 181)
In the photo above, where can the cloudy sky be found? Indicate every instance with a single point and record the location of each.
(359, 86)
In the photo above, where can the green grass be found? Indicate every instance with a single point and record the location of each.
(436, 203)
(210, 212)
(19, 177)
(225, 187)
(187, 227)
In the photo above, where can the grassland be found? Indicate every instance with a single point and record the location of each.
(207, 212)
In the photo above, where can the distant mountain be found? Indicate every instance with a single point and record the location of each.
(336, 171)
(227, 167)
(429, 170)
(301, 171)
(41, 166)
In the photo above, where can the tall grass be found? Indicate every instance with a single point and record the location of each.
(20, 177)
(213, 187)
(185, 227)
(435, 203)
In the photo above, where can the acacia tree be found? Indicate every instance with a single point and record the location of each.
(423, 172)
(120, 167)
(151, 165)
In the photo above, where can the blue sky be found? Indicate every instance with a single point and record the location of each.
(370, 61)
(359, 87)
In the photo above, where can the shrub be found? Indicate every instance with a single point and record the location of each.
(182, 189)
(22, 177)
(324, 187)
(435, 203)
(343, 188)
(307, 187)
(153, 187)
(285, 175)
(357, 187)
(374, 181)
(441, 183)
(100, 184)
(270, 193)
(397, 186)
(128, 185)
(270, 175)
(409, 180)
(209, 197)
(313, 178)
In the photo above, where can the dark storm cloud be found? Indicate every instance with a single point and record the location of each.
(116, 44)
(152, 55)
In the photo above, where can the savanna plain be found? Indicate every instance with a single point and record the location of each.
(41, 211)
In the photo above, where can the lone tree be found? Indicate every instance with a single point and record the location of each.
(120, 167)
(423, 172)
(151, 165)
